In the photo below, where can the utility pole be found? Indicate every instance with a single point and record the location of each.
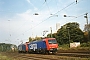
(76, 1)
(51, 31)
(68, 34)
(87, 24)
(86, 18)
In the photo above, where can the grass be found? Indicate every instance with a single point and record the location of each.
(83, 46)
(4, 57)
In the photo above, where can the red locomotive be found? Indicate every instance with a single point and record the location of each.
(46, 45)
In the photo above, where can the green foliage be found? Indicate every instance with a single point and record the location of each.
(36, 38)
(30, 39)
(49, 35)
(4, 57)
(6, 47)
(64, 46)
(85, 44)
(87, 33)
(54, 35)
(69, 32)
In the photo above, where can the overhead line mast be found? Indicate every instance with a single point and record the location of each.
(50, 16)
(87, 25)
(76, 1)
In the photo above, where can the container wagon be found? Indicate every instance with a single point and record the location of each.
(23, 48)
(47, 45)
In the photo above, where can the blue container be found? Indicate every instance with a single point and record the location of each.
(20, 47)
(23, 48)
(37, 45)
(41, 44)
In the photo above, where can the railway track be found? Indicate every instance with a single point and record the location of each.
(58, 56)
(80, 55)
(36, 57)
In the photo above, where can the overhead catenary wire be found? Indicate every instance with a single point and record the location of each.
(68, 6)
(61, 10)
(56, 4)
(49, 12)
(48, 6)
(36, 13)
(49, 17)
(26, 20)
(80, 15)
(65, 7)
(42, 6)
(33, 27)
(75, 17)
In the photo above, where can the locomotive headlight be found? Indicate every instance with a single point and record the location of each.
(51, 49)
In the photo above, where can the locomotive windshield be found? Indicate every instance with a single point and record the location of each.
(52, 41)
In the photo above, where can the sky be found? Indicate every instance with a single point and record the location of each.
(18, 21)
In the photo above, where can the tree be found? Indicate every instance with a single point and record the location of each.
(70, 32)
(34, 39)
(37, 38)
(30, 39)
(87, 32)
(49, 35)
(85, 36)
(54, 35)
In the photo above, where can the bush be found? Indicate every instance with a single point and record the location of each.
(85, 44)
(64, 47)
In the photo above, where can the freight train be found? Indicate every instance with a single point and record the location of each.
(46, 45)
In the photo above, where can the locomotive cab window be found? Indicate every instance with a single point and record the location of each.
(52, 41)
